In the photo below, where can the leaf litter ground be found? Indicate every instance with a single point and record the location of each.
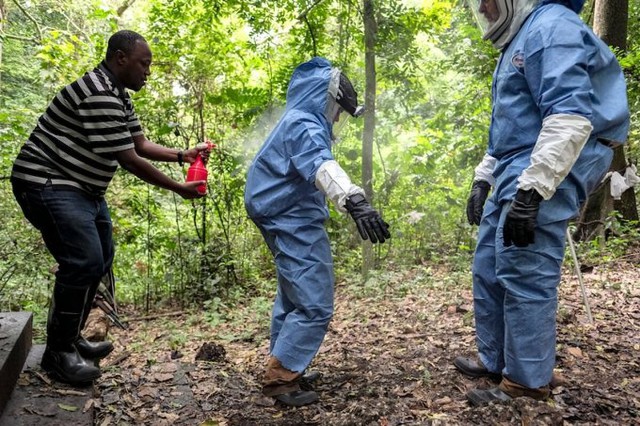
(386, 360)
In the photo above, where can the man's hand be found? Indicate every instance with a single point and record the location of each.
(190, 155)
(189, 190)
(520, 223)
(475, 202)
(370, 224)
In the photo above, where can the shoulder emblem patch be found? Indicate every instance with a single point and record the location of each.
(518, 60)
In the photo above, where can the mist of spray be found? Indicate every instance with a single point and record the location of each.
(260, 130)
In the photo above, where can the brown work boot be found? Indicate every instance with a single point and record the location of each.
(505, 391)
(557, 380)
(515, 390)
(284, 385)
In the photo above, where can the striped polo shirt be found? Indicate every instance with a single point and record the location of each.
(74, 141)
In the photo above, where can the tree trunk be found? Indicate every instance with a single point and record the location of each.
(124, 6)
(370, 29)
(610, 23)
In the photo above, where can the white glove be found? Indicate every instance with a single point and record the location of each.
(559, 144)
(484, 170)
(336, 184)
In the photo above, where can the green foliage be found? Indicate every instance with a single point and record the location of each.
(621, 237)
(220, 73)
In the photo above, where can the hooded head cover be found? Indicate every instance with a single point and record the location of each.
(318, 88)
(501, 20)
(309, 85)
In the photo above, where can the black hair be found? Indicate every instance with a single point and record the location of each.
(124, 41)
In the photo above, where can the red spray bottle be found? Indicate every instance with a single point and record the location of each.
(198, 169)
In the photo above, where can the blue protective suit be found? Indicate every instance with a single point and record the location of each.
(554, 65)
(282, 200)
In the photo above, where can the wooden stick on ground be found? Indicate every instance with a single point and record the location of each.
(150, 317)
(579, 274)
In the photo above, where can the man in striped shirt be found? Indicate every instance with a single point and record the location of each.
(60, 177)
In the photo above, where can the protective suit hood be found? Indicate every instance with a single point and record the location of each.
(500, 20)
(575, 5)
(309, 86)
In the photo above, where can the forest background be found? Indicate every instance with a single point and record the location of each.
(220, 72)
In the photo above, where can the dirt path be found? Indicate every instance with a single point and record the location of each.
(386, 361)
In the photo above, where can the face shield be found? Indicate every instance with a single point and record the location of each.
(493, 16)
(340, 122)
(342, 102)
(500, 20)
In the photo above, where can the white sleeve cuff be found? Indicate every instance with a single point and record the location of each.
(484, 171)
(559, 144)
(334, 182)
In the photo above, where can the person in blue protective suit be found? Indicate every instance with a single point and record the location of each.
(558, 98)
(285, 194)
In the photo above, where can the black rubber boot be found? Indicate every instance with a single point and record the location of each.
(93, 350)
(61, 358)
(88, 304)
(69, 367)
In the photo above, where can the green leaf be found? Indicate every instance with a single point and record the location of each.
(68, 407)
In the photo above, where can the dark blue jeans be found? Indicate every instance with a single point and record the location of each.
(76, 228)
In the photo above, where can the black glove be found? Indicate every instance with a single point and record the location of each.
(369, 223)
(475, 202)
(521, 218)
